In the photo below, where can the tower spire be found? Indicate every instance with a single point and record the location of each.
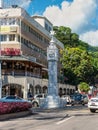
(52, 35)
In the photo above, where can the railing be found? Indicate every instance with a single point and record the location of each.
(19, 73)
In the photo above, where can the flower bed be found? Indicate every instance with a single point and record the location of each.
(13, 107)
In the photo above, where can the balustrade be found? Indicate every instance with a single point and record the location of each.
(20, 73)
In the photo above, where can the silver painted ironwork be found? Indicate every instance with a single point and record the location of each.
(52, 100)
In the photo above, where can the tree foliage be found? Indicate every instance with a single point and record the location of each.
(84, 87)
(78, 62)
(79, 59)
(69, 39)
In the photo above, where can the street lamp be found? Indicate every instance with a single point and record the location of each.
(4, 15)
(0, 66)
(0, 71)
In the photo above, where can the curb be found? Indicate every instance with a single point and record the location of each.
(50, 110)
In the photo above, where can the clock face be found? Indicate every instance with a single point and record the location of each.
(51, 55)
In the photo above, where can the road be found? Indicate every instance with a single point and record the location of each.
(70, 118)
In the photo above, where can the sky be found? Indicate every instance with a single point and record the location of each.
(80, 15)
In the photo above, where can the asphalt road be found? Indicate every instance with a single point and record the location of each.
(70, 118)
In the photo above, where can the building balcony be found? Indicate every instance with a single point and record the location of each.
(20, 73)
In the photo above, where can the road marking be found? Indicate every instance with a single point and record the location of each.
(59, 122)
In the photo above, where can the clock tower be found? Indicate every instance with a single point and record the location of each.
(52, 57)
(52, 100)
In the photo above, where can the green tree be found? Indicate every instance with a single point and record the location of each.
(84, 87)
(77, 63)
(69, 39)
(80, 63)
(95, 66)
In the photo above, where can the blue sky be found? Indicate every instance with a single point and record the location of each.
(39, 6)
(80, 15)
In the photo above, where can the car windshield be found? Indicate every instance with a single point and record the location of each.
(9, 97)
(94, 100)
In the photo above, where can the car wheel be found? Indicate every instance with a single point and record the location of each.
(83, 104)
(92, 110)
(35, 104)
(72, 104)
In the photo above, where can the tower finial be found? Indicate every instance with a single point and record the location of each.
(52, 34)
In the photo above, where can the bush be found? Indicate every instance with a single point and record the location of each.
(12, 107)
(84, 87)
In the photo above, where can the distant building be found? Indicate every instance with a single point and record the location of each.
(43, 21)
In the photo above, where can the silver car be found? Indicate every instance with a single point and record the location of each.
(12, 98)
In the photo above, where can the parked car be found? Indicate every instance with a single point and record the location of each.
(79, 99)
(93, 104)
(68, 99)
(84, 99)
(12, 98)
(76, 98)
(38, 99)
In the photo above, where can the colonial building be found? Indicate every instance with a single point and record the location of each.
(23, 42)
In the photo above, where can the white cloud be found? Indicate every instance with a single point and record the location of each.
(80, 16)
(90, 37)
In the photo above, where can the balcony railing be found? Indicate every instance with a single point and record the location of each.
(20, 73)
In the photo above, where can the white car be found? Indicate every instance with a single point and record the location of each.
(38, 99)
(93, 104)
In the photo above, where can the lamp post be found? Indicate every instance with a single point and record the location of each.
(0, 73)
(0, 57)
(0, 66)
(4, 15)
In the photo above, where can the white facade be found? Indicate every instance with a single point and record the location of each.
(43, 21)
